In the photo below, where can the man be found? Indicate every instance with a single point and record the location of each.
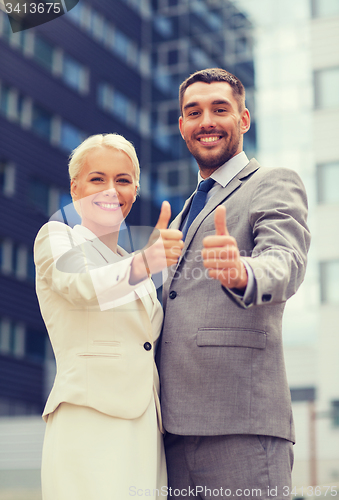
(225, 398)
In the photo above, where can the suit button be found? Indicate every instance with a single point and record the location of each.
(267, 297)
(147, 346)
(172, 294)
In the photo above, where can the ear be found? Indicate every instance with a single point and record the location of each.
(181, 127)
(245, 121)
(135, 194)
(74, 193)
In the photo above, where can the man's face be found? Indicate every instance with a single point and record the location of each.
(212, 125)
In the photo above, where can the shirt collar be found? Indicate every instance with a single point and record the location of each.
(224, 174)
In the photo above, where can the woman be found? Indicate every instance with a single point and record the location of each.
(103, 436)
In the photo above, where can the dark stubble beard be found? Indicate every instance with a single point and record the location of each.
(210, 162)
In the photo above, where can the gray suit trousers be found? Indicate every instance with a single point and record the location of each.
(232, 466)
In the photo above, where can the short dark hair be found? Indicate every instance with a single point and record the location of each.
(215, 75)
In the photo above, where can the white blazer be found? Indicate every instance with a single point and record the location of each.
(103, 330)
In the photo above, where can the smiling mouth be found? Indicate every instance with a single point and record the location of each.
(108, 206)
(209, 139)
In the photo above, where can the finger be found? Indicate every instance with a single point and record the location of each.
(171, 234)
(218, 241)
(165, 215)
(221, 253)
(225, 265)
(220, 221)
(173, 243)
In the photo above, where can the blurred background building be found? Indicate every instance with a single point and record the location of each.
(97, 69)
(296, 58)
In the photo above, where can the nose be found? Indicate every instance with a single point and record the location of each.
(110, 191)
(207, 120)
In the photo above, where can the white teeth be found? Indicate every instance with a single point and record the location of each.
(209, 139)
(108, 205)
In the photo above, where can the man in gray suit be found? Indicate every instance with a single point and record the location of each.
(225, 399)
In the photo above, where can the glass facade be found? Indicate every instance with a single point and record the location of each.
(326, 85)
(328, 182)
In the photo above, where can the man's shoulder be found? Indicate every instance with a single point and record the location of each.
(261, 171)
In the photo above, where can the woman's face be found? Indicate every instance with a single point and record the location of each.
(105, 189)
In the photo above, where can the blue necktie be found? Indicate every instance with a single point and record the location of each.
(198, 202)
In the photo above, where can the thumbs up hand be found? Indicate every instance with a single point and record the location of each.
(171, 238)
(221, 255)
(162, 250)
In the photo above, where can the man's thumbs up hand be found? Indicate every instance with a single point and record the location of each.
(162, 250)
(220, 221)
(221, 255)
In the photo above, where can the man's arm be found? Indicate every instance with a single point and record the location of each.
(278, 213)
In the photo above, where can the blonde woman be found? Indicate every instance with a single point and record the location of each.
(103, 436)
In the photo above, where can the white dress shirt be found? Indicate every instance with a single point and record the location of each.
(222, 176)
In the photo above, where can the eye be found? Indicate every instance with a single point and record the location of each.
(124, 180)
(221, 110)
(193, 113)
(97, 179)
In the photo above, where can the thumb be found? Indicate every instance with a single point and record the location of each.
(220, 221)
(165, 215)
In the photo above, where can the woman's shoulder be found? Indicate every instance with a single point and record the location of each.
(56, 238)
(55, 228)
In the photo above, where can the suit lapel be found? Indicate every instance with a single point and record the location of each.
(111, 258)
(216, 200)
(176, 223)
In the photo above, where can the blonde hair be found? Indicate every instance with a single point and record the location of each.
(115, 141)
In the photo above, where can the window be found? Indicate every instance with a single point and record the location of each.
(19, 341)
(162, 79)
(19, 261)
(33, 117)
(35, 345)
(7, 178)
(12, 338)
(49, 56)
(335, 413)
(14, 259)
(70, 136)
(119, 105)
(107, 35)
(329, 279)
(175, 177)
(14, 39)
(325, 8)
(4, 99)
(41, 122)
(143, 7)
(6, 251)
(74, 74)
(30, 266)
(121, 44)
(44, 197)
(11, 102)
(43, 52)
(328, 182)
(201, 59)
(326, 84)
(173, 55)
(163, 25)
(38, 195)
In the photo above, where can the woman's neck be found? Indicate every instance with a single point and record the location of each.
(110, 240)
(108, 235)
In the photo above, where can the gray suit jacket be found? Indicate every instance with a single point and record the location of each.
(222, 365)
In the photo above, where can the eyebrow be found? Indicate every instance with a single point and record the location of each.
(103, 173)
(217, 101)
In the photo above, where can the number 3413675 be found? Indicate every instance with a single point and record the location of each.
(33, 8)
